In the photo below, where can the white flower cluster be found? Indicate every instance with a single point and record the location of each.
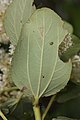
(5, 60)
(5, 55)
(3, 76)
(4, 4)
(76, 69)
(76, 61)
(66, 43)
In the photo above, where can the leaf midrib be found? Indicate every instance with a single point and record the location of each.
(53, 68)
(42, 52)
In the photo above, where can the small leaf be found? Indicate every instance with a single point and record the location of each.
(70, 108)
(36, 66)
(63, 118)
(70, 92)
(68, 27)
(16, 16)
(23, 110)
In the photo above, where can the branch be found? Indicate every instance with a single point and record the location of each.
(48, 107)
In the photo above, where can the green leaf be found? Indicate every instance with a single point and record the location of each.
(70, 108)
(36, 66)
(70, 92)
(71, 51)
(23, 111)
(16, 16)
